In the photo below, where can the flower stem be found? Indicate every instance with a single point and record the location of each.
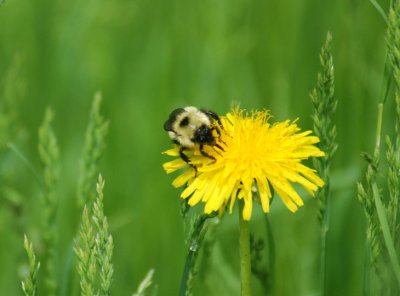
(244, 248)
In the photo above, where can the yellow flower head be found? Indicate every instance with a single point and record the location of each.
(250, 155)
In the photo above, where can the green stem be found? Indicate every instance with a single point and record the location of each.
(244, 248)
(386, 232)
(367, 269)
(271, 256)
(386, 84)
(324, 231)
(196, 239)
(375, 190)
(385, 87)
(186, 273)
(387, 79)
(378, 129)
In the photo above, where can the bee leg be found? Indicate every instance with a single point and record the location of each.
(183, 155)
(218, 146)
(217, 130)
(205, 153)
(216, 118)
(186, 159)
(213, 116)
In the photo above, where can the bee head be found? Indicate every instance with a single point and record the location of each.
(203, 135)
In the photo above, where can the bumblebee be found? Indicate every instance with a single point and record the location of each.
(190, 126)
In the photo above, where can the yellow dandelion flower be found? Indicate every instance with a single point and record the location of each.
(251, 155)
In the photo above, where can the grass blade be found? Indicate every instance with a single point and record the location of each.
(380, 10)
(386, 233)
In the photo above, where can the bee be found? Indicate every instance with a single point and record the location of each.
(190, 126)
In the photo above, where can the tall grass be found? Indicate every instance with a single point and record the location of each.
(95, 246)
(92, 153)
(94, 249)
(29, 284)
(381, 218)
(94, 146)
(86, 253)
(49, 155)
(325, 104)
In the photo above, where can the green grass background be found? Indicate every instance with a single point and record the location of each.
(149, 57)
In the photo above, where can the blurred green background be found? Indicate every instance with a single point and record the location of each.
(149, 57)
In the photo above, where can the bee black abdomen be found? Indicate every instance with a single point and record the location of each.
(172, 118)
